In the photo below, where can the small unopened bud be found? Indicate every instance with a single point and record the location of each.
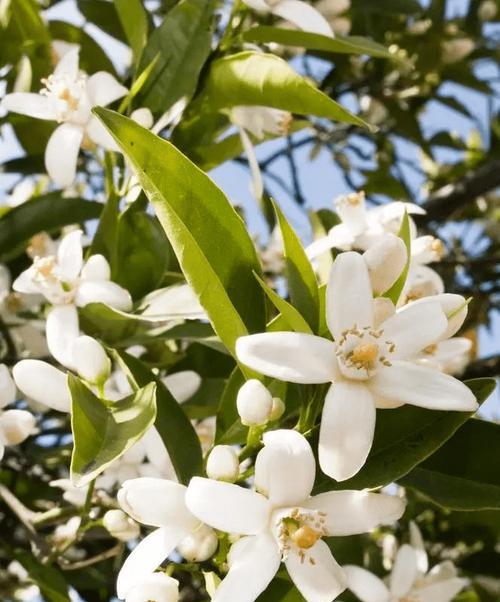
(254, 403)
(385, 261)
(96, 268)
(120, 525)
(277, 409)
(199, 545)
(487, 10)
(90, 360)
(16, 426)
(157, 587)
(223, 464)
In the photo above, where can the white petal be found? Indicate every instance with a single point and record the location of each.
(440, 572)
(414, 327)
(257, 182)
(422, 387)
(349, 300)
(417, 543)
(444, 591)
(404, 572)
(353, 512)
(7, 387)
(144, 117)
(182, 385)
(291, 356)
(98, 133)
(351, 209)
(24, 283)
(253, 562)
(346, 431)
(385, 260)
(16, 426)
(318, 247)
(365, 585)
(70, 256)
(61, 153)
(227, 507)
(156, 502)
(322, 581)
(285, 468)
(33, 105)
(157, 586)
(62, 330)
(90, 360)
(303, 16)
(177, 301)
(147, 556)
(43, 383)
(383, 309)
(157, 454)
(454, 307)
(68, 63)
(103, 89)
(96, 268)
(259, 5)
(103, 291)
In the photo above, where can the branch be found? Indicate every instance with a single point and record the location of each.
(452, 197)
(488, 366)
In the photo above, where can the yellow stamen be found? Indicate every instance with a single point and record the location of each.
(72, 102)
(305, 537)
(364, 354)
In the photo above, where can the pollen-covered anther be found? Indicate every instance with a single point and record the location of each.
(305, 537)
(431, 349)
(438, 247)
(364, 355)
(45, 267)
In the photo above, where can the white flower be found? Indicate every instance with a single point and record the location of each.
(75, 496)
(223, 464)
(367, 364)
(67, 283)
(199, 545)
(43, 383)
(120, 525)
(159, 503)
(156, 587)
(454, 51)
(178, 301)
(451, 356)
(67, 531)
(281, 522)
(254, 403)
(301, 14)
(68, 97)
(90, 359)
(409, 580)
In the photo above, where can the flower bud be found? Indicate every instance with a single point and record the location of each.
(385, 260)
(199, 545)
(157, 587)
(223, 464)
(277, 409)
(120, 525)
(254, 403)
(90, 360)
(16, 426)
(96, 268)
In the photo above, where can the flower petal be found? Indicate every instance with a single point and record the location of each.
(103, 89)
(257, 182)
(353, 512)
(285, 468)
(33, 105)
(292, 356)
(43, 383)
(61, 153)
(16, 426)
(68, 64)
(422, 387)
(25, 282)
(103, 291)
(443, 591)
(319, 581)
(404, 572)
(96, 131)
(365, 585)
(346, 431)
(182, 385)
(414, 327)
(417, 543)
(227, 507)
(147, 556)
(454, 307)
(70, 256)
(8, 392)
(349, 300)
(62, 329)
(304, 16)
(253, 562)
(96, 268)
(156, 502)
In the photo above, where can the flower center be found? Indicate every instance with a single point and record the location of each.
(72, 91)
(364, 355)
(361, 351)
(298, 531)
(305, 537)
(45, 268)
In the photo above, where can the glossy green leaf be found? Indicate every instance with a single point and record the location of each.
(229, 429)
(51, 582)
(293, 317)
(209, 239)
(104, 430)
(103, 14)
(463, 474)
(142, 250)
(134, 21)
(265, 34)
(183, 42)
(174, 427)
(46, 213)
(302, 283)
(397, 288)
(405, 437)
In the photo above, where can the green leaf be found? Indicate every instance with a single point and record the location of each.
(104, 241)
(105, 430)
(183, 42)
(256, 78)
(265, 34)
(174, 427)
(397, 288)
(388, 7)
(48, 213)
(51, 582)
(210, 240)
(406, 436)
(134, 21)
(142, 251)
(463, 474)
(229, 429)
(295, 320)
(302, 283)
(103, 14)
